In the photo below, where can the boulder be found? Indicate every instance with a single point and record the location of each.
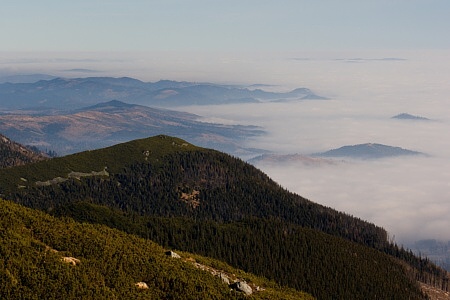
(224, 278)
(172, 254)
(242, 286)
(141, 285)
(71, 260)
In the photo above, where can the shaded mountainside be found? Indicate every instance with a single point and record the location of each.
(47, 258)
(63, 93)
(368, 151)
(14, 154)
(112, 122)
(207, 202)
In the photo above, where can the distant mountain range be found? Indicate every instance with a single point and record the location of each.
(368, 151)
(405, 116)
(64, 93)
(25, 78)
(112, 122)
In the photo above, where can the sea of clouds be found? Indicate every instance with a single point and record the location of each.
(408, 196)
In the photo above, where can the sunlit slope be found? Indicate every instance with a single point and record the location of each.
(43, 257)
(111, 160)
(207, 202)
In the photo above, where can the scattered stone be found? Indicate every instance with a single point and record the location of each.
(71, 260)
(141, 285)
(243, 287)
(224, 278)
(172, 254)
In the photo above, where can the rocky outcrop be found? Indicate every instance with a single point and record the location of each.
(172, 254)
(224, 278)
(243, 287)
(237, 284)
(70, 260)
(76, 175)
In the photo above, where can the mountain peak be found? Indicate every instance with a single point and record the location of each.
(368, 151)
(110, 104)
(406, 116)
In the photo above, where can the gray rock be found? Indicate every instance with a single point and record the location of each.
(243, 287)
(224, 278)
(172, 254)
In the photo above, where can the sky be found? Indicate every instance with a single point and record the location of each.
(372, 59)
(210, 25)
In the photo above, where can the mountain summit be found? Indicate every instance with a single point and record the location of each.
(368, 151)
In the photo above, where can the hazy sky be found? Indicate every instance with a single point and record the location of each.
(209, 25)
(338, 48)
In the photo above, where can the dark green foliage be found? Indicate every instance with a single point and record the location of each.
(111, 262)
(326, 266)
(210, 203)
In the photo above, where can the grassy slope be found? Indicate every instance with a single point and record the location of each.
(111, 263)
(112, 158)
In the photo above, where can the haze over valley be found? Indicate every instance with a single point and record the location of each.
(406, 195)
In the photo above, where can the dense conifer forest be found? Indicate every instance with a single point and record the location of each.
(206, 202)
(35, 249)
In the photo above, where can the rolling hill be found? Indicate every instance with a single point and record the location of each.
(203, 201)
(108, 123)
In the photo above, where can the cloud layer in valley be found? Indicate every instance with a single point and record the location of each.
(409, 196)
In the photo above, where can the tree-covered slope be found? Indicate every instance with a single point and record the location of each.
(207, 202)
(166, 176)
(42, 257)
(13, 154)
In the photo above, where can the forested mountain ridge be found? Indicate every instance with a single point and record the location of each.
(210, 203)
(227, 188)
(42, 257)
(14, 154)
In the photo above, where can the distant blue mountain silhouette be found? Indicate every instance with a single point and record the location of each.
(367, 151)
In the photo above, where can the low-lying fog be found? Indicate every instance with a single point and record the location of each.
(409, 196)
